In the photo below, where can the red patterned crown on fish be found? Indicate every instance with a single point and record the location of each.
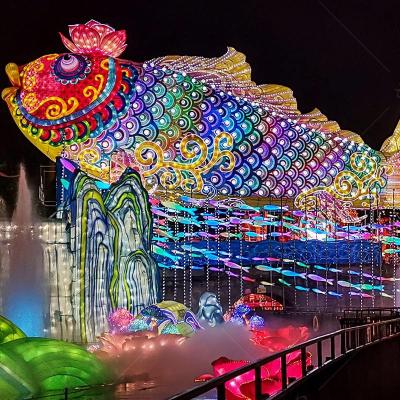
(96, 39)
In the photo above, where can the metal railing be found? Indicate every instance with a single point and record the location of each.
(355, 316)
(333, 345)
(379, 313)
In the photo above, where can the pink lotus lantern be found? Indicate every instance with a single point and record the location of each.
(95, 38)
(279, 339)
(242, 386)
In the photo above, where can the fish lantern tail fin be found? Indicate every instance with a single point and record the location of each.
(391, 146)
(391, 150)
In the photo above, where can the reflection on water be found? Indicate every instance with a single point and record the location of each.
(149, 390)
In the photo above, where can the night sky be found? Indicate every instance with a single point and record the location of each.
(342, 57)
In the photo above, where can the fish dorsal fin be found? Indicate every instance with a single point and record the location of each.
(314, 115)
(280, 96)
(319, 121)
(231, 73)
(351, 136)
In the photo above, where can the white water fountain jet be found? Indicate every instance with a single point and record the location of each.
(3, 209)
(24, 297)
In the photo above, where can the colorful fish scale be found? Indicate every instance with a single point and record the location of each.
(273, 156)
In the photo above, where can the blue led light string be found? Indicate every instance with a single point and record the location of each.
(176, 263)
(63, 152)
(306, 246)
(208, 249)
(316, 227)
(218, 257)
(327, 263)
(163, 271)
(229, 251)
(191, 256)
(293, 256)
(349, 256)
(240, 231)
(185, 264)
(379, 241)
(336, 249)
(371, 220)
(269, 230)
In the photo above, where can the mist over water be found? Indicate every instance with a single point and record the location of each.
(24, 294)
(167, 370)
(157, 372)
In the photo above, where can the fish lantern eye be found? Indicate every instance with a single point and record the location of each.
(71, 68)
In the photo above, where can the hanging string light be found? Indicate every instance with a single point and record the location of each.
(395, 256)
(270, 230)
(218, 257)
(349, 260)
(163, 269)
(176, 263)
(361, 272)
(379, 241)
(208, 249)
(59, 189)
(281, 248)
(191, 256)
(306, 246)
(315, 225)
(229, 252)
(164, 272)
(371, 222)
(185, 256)
(327, 261)
(293, 257)
(241, 238)
(336, 247)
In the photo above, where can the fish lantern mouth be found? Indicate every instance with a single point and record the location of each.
(12, 72)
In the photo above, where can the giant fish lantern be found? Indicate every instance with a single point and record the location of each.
(188, 124)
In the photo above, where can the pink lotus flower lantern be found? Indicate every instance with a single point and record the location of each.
(279, 339)
(96, 39)
(242, 387)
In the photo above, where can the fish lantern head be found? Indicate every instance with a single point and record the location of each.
(62, 102)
